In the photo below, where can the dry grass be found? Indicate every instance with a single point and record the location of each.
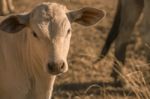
(137, 88)
(135, 73)
(136, 81)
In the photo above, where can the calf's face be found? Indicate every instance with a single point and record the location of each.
(50, 23)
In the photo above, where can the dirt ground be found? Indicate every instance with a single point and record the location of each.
(86, 80)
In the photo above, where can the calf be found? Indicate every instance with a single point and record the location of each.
(31, 59)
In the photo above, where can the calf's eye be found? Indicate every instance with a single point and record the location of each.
(35, 35)
(69, 31)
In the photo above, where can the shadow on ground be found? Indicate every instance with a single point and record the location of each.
(92, 88)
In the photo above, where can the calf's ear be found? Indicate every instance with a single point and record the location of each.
(86, 16)
(14, 23)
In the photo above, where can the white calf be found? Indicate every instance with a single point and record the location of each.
(31, 59)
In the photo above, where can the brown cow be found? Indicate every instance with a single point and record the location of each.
(126, 17)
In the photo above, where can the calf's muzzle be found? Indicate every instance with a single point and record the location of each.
(57, 67)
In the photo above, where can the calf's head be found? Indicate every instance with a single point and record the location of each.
(50, 24)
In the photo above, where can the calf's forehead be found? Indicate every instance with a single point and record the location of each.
(49, 11)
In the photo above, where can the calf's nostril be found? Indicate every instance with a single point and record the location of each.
(62, 67)
(56, 67)
(50, 67)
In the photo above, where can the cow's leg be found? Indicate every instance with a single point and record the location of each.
(131, 10)
(145, 30)
(10, 6)
(113, 33)
(3, 7)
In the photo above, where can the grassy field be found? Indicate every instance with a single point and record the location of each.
(87, 80)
